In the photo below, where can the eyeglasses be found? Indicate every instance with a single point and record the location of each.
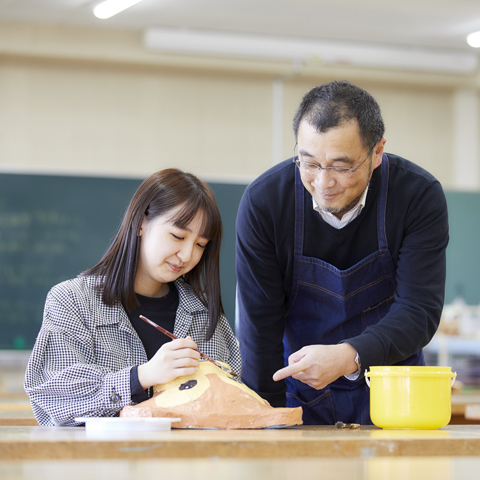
(337, 172)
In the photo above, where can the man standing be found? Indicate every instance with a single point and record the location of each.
(340, 261)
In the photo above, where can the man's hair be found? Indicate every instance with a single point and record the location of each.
(182, 195)
(336, 103)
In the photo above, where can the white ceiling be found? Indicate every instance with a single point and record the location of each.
(441, 24)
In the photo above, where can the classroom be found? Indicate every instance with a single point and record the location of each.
(92, 107)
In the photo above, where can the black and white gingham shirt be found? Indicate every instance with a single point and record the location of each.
(80, 363)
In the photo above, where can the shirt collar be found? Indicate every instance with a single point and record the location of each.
(351, 215)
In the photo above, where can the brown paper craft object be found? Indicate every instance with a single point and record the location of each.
(212, 399)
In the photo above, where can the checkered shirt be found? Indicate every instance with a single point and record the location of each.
(80, 363)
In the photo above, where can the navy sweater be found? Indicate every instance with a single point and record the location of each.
(417, 235)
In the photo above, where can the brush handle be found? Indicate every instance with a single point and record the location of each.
(158, 327)
(174, 337)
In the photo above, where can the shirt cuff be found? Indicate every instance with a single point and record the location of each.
(138, 394)
(354, 376)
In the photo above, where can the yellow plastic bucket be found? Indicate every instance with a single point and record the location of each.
(410, 397)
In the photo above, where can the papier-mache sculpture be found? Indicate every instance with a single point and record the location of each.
(210, 398)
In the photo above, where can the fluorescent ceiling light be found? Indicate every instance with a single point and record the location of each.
(474, 39)
(307, 51)
(109, 8)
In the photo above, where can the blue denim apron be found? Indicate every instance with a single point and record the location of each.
(328, 305)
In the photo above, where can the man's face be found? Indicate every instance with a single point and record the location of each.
(338, 147)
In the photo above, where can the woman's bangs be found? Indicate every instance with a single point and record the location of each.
(211, 223)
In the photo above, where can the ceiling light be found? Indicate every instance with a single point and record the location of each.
(109, 8)
(474, 39)
(307, 50)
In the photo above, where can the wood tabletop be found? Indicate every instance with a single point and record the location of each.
(30, 443)
(213, 468)
(460, 402)
(17, 417)
(16, 411)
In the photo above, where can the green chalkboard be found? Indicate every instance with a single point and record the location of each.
(54, 227)
(463, 252)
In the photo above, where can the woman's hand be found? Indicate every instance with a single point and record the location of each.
(173, 359)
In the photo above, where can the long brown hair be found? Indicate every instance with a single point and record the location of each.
(157, 195)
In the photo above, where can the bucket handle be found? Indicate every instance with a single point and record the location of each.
(454, 376)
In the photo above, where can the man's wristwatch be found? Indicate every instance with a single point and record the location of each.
(357, 361)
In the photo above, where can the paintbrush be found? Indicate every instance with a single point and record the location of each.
(174, 337)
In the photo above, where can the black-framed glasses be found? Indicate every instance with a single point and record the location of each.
(337, 172)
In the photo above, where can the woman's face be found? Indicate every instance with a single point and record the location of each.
(166, 253)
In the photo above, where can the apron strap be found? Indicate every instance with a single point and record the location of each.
(299, 214)
(382, 205)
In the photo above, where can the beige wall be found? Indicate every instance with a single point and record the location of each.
(78, 101)
(129, 121)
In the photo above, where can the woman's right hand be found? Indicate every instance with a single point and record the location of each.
(173, 359)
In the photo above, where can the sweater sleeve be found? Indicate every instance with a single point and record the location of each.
(420, 284)
(64, 378)
(261, 302)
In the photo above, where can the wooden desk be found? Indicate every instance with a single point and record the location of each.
(462, 404)
(212, 468)
(17, 417)
(16, 413)
(56, 453)
(42, 443)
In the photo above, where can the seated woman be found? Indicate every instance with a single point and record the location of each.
(94, 355)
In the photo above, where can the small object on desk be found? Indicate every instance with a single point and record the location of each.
(174, 337)
(347, 425)
(116, 424)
